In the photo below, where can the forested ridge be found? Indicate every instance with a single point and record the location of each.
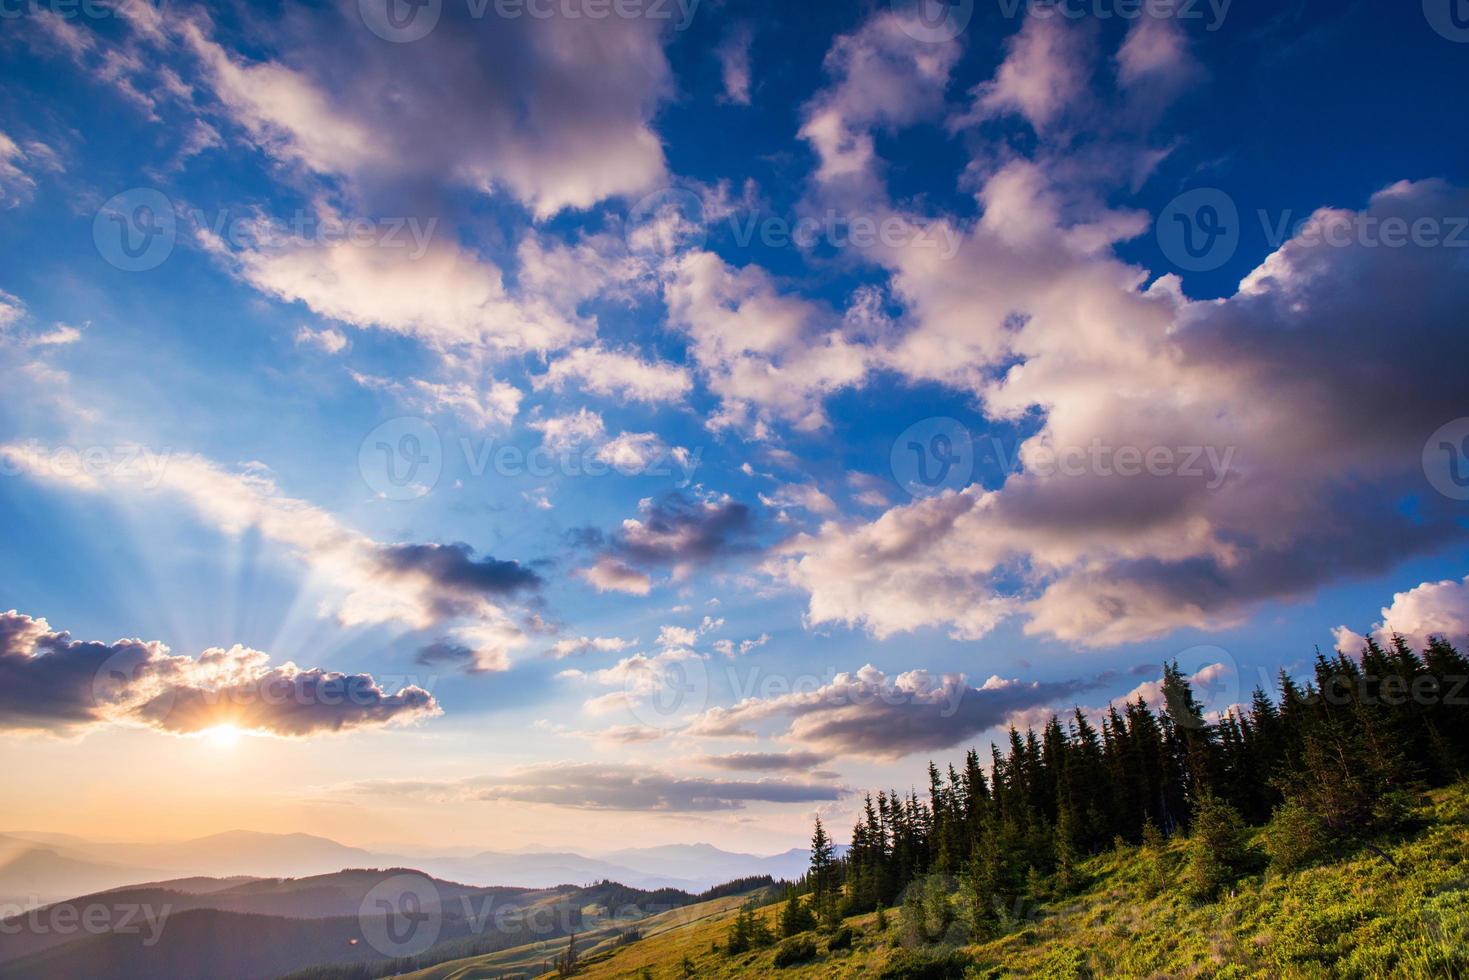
(1323, 764)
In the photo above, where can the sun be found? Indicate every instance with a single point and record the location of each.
(222, 736)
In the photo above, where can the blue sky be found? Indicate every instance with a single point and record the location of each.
(250, 250)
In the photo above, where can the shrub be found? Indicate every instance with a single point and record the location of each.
(927, 913)
(801, 949)
(1216, 849)
(907, 964)
(1154, 857)
(841, 939)
(1294, 838)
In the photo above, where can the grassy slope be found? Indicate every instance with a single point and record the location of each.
(529, 959)
(1356, 917)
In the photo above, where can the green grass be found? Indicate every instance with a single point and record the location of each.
(1354, 915)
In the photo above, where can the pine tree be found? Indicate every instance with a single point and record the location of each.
(795, 917)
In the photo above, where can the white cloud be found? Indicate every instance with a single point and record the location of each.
(611, 575)
(573, 129)
(491, 405)
(768, 356)
(1245, 397)
(734, 63)
(576, 647)
(561, 432)
(1045, 72)
(1427, 610)
(883, 78)
(616, 374)
(326, 340)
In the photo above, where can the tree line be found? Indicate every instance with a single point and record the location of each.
(1323, 763)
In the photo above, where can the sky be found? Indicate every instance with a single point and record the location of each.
(531, 423)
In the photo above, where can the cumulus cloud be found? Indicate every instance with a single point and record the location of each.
(1422, 612)
(561, 432)
(51, 682)
(870, 715)
(675, 533)
(883, 77)
(1046, 71)
(769, 356)
(417, 585)
(616, 374)
(553, 111)
(1270, 475)
(435, 291)
(611, 575)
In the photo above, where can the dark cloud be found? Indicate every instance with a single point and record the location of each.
(870, 715)
(674, 532)
(454, 567)
(590, 786)
(50, 682)
(765, 761)
(445, 652)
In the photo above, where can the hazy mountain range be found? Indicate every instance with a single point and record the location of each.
(39, 868)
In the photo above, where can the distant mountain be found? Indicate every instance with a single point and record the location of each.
(32, 873)
(50, 867)
(267, 928)
(548, 868)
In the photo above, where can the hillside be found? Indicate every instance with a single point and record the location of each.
(266, 928)
(1355, 915)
